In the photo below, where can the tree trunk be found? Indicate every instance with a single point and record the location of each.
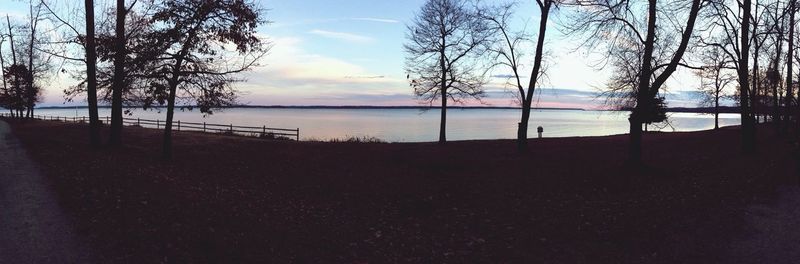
(789, 63)
(716, 110)
(789, 60)
(173, 89)
(642, 102)
(443, 88)
(119, 77)
(443, 121)
(30, 93)
(3, 76)
(522, 130)
(748, 134)
(91, 76)
(167, 146)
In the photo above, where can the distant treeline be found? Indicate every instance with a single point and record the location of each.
(704, 110)
(334, 107)
(708, 110)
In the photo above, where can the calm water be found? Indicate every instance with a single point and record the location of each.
(412, 125)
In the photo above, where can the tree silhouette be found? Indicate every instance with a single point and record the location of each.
(30, 66)
(115, 137)
(624, 26)
(507, 49)
(64, 49)
(192, 37)
(714, 78)
(729, 24)
(91, 75)
(444, 43)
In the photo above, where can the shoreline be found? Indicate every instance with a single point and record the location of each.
(699, 110)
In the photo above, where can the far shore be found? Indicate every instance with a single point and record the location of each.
(701, 110)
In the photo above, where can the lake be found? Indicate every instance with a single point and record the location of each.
(415, 125)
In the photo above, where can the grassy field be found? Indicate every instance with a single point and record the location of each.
(570, 200)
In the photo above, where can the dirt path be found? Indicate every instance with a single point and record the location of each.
(33, 228)
(774, 231)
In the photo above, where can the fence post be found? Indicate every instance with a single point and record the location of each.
(179, 125)
(138, 122)
(298, 134)
(157, 124)
(204, 127)
(231, 128)
(264, 131)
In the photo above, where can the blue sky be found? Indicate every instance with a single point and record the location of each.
(350, 53)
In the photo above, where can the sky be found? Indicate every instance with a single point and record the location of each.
(350, 52)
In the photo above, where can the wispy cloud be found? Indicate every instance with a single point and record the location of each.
(334, 20)
(365, 77)
(349, 37)
(373, 19)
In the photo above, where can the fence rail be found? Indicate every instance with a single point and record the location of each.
(262, 131)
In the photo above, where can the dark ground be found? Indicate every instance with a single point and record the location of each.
(571, 200)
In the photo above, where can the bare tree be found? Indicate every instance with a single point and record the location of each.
(30, 67)
(729, 27)
(443, 47)
(714, 79)
(621, 25)
(78, 48)
(762, 31)
(509, 54)
(5, 94)
(15, 79)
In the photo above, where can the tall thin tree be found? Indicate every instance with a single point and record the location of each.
(115, 138)
(91, 75)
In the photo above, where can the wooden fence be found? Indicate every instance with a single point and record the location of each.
(262, 131)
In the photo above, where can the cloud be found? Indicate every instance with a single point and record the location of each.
(372, 19)
(334, 20)
(349, 37)
(365, 77)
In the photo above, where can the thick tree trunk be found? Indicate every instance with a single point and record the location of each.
(91, 76)
(443, 88)
(642, 102)
(2, 76)
(789, 60)
(522, 130)
(748, 134)
(716, 110)
(789, 63)
(167, 146)
(30, 93)
(443, 120)
(119, 77)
